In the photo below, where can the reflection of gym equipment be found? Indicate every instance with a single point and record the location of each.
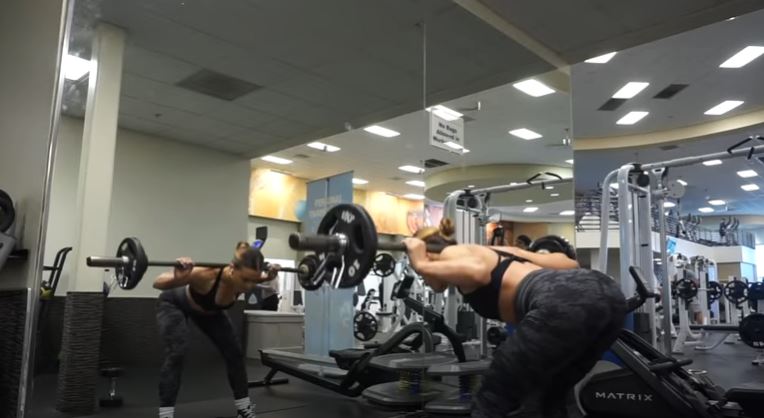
(112, 399)
(651, 384)
(7, 219)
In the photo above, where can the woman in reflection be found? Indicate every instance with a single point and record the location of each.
(203, 295)
(565, 317)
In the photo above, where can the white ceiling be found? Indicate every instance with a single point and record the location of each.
(503, 108)
(704, 183)
(689, 58)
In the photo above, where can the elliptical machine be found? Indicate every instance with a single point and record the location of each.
(652, 384)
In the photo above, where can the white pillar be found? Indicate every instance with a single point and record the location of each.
(99, 140)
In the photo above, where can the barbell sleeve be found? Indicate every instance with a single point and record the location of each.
(114, 262)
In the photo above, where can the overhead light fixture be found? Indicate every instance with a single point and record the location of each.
(530, 209)
(723, 107)
(743, 57)
(549, 187)
(749, 187)
(411, 169)
(630, 89)
(632, 118)
(747, 174)
(705, 210)
(455, 146)
(570, 161)
(323, 147)
(711, 163)
(444, 112)
(668, 204)
(682, 182)
(525, 134)
(554, 194)
(471, 186)
(416, 183)
(383, 132)
(568, 213)
(601, 59)
(359, 181)
(276, 160)
(75, 67)
(717, 202)
(413, 196)
(533, 87)
(528, 200)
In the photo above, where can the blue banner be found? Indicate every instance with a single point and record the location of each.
(328, 312)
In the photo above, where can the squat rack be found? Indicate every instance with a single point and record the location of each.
(640, 187)
(479, 212)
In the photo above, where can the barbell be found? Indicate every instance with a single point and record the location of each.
(131, 262)
(346, 245)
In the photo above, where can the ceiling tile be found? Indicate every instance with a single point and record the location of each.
(154, 66)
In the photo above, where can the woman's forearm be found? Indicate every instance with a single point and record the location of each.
(165, 280)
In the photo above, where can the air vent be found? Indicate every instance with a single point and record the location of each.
(217, 85)
(300, 156)
(432, 163)
(670, 91)
(612, 104)
(668, 147)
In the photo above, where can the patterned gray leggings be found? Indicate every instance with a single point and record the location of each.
(173, 313)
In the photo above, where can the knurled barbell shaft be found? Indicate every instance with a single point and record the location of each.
(116, 262)
(333, 243)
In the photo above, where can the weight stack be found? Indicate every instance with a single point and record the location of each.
(80, 349)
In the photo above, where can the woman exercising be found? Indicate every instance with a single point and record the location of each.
(566, 317)
(203, 295)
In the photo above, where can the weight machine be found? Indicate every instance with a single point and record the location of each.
(640, 188)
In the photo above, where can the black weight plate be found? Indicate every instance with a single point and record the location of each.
(495, 335)
(356, 225)
(553, 244)
(384, 265)
(364, 326)
(312, 279)
(7, 212)
(129, 276)
(714, 291)
(756, 291)
(686, 288)
(736, 291)
(752, 330)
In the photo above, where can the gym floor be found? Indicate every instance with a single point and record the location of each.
(205, 393)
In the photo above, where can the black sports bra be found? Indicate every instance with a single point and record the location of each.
(207, 301)
(485, 300)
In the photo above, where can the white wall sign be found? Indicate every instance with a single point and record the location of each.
(448, 135)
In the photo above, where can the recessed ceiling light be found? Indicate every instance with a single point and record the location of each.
(716, 202)
(743, 57)
(711, 163)
(528, 200)
(682, 182)
(533, 87)
(554, 194)
(276, 160)
(384, 132)
(359, 181)
(530, 209)
(749, 187)
(668, 204)
(525, 134)
(413, 196)
(550, 187)
(455, 146)
(471, 186)
(632, 118)
(568, 213)
(705, 210)
(444, 112)
(323, 147)
(75, 67)
(601, 59)
(630, 89)
(747, 174)
(411, 169)
(417, 183)
(723, 107)
(570, 161)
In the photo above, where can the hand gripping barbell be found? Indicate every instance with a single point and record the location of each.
(346, 244)
(131, 262)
